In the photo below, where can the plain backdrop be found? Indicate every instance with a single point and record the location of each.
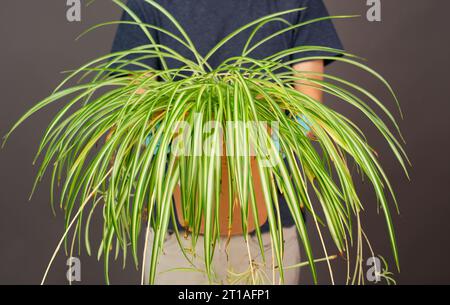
(410, 47)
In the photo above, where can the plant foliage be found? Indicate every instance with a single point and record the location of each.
(130, 177)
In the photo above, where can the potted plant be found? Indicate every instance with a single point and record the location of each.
(125, 141)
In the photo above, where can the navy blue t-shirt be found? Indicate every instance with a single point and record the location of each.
(208, 21)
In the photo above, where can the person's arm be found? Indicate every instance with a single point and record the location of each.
(316, 66)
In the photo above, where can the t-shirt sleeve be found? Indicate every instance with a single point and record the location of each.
(129, 36)
(320, 33)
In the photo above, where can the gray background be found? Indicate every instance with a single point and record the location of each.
(410, 47)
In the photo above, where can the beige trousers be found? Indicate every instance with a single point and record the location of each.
(230, 263)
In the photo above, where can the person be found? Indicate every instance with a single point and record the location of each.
(207, 22)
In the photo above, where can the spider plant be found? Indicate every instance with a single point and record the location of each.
(110, 147)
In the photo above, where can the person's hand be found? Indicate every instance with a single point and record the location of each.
(303, 121)
(142, 90)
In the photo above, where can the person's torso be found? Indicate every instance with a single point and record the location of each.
(207, 22)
